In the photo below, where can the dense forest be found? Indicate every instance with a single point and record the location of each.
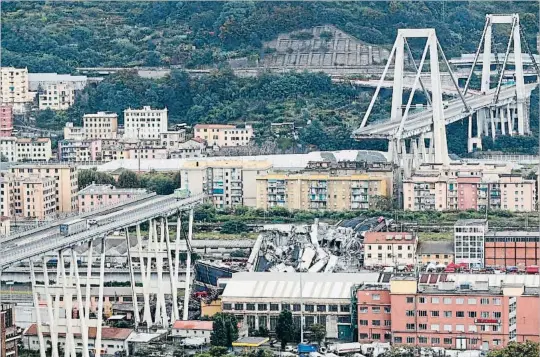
(60, 36)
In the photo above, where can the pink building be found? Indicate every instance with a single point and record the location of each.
(467, 188)
(462, 316)
(6, 120)
(95, 196)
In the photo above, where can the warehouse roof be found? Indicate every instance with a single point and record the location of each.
(287, 286)
(436, 248)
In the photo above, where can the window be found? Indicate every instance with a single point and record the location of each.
(410, 299)
(376, 297)
(332, 308)
(250, 307)
(422, 339)
(387, 309)
(460, 301)
(447, 301)
(460, 313)
(274, 307)
(296, 307)
(227, 306)
(286, 307)
(497, 315)
(262, 307)
(496, 328)
(472, 314)
(448, 314)
(409, 313)
(376, 310)
(422, 313)
(448, 341)
(434, 313)
(484, 301)
(422, 326)
(363, 309)
(460, 328)
(496, 301)
(484, 314)
(434, 300)
(363, 322)
(321, 308)
(472, 328)
(421, 300)
(345, 308)
(410, 340)
(410, 327)
(448, 328)
(434, 327)
(387, 323)
(376, 336)
(398, 339)
(376, 322)
(497, 342)
(435, 340)
(309, 308)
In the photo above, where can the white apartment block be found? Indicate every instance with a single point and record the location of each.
(172, 139)
(102, 125)
(145, 123)
(57, 96)
(39, 149)
(389, 249)
(224, 135)
(469, 238)
(14, 87)
(8, 149)
(72, 132)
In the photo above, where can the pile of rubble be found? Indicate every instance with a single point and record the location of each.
(319, 247)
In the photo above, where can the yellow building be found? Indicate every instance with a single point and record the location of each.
(65, 175)
(211, 308)
(102, 125)
(224, 135)
(339, 187)
(435, 252)
(29, 197)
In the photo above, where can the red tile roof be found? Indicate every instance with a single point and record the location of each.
(389, 238)
(193, 325)
(107, 333)
(214, 126)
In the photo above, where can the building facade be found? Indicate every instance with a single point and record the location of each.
(65, 176)
(228, 183)
(324, 186)
(28, 197)
(469, 241)
(101, 125)
(72, 132)
(6, 120)
(96, 196)
(145, 123)
(492, 187)
(30, 149)
(9, 334)
(172, 139)
(56, 96)
(511, 248)
(8, 148)
(224, 135)
(195, 147)
(79, 150)
(14, 86)
(392, 249)
(192, 328)
(435, 253)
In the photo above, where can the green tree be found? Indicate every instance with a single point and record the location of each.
(218, 351)
(87, 177)
(285, 328)
(128, 179)
(514, 349)
(318, 332)
(233, 227)
(225, 330)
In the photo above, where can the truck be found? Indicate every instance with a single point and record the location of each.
(181, 193)
(73, 227)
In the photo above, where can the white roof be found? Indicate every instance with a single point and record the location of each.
(496, 280)
(288, 161)
(143, 337)
(287, 285)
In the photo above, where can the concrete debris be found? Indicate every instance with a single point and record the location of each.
(319, 247)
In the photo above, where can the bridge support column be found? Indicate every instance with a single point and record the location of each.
(177, 263)
(492, 121)
(187, 291)
(80, 303)
(159, 265)
(136, 316)
(172, 274)
(100, 298)
(42, 346)
(147, 316)
(500, 115)
(52, 320)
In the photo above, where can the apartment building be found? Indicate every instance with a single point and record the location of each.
(227, 183)
(28, 197)
(435, 252)
(8, 149)
(440, 192)
(14, 87)
(393, 249)
(96, 196)
(146, 153)
(79, 150)
(224, 135)
(342, 186)
(5, 224)
(195, 147)
(469, 241)
(145, 123)
(172, 139)
(72, 132)
(65, 175)
(9, 333)
(6, 120)
(30, 149)
(102, 125)
(56, 96)
(374, 306)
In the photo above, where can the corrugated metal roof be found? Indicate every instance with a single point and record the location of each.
(288, 285)
(497, 280)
